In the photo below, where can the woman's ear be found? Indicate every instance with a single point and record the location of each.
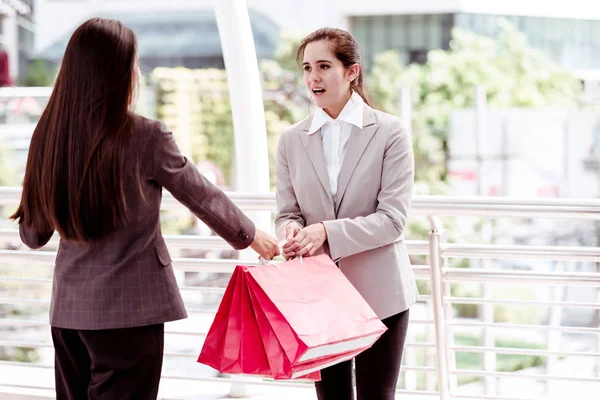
(353, 72)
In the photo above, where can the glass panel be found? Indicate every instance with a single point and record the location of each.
(595, 38)
(436, 33)
(379, 34)
(367, 48)
(479, 21)
(460, 20)
(417, 32)
(358, 29)
(398, 38)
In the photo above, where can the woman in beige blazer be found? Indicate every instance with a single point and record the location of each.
(344, 185)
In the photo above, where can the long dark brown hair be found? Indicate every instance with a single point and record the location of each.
(344, 47)
(74, 180)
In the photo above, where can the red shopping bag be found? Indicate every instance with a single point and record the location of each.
(289, 320)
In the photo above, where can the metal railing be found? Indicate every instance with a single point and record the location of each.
(441, 371)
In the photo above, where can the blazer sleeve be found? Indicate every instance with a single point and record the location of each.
(351, 236)
(31, 238)
(179, 176)
(288, 210)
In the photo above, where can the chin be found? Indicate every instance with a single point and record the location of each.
(321, 103)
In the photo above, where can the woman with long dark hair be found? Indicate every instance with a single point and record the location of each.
(95, 173)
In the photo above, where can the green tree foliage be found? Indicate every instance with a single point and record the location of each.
(513, 73)
(38, 74)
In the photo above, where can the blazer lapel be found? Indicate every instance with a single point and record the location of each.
(314, 147)
(357, 143)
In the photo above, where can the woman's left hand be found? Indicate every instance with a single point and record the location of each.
(307, 241)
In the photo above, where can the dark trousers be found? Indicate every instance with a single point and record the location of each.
(377, 368)
(108, 364)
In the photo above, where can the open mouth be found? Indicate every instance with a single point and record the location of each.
(318, 91)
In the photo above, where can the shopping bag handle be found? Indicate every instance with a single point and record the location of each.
(281, 243)
(262, 261)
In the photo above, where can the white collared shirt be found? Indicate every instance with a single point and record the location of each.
(335, 133)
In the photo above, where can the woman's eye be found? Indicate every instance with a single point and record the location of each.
(324, 66)
(306, 68)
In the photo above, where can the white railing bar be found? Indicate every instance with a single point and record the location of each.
(296, 383)
(203, 289)
(569, 253)
(415, 247)
(421, 321)
(400, 392)
(420, 345)
(482, 397)
(421, 205)
(213, 265)
(512, 252)
(9, 92)
(518, 351)
(510, 276)
(245, 201)
(403, 368)
(184, 264)
(418, 368)
(422, 272)
(25, 343)
(185, 333)
(17, 386)
(570, 329)
(479, 300)
(195, 378)
(24, 280)
(180, 354)
(38, 344)
(201, 311)
(190, 311)
(17, 300)
(26, 364)
(457, 251)
(183, 241)
(23, 322)
(525, 280)
(524, 376)
(449, 206)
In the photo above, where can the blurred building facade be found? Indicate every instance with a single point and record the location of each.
(17, 33)
(169, 33)
(567, 32)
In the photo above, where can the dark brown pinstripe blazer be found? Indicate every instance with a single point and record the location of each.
(126, 279)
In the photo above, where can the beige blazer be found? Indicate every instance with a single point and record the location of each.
(365, 225)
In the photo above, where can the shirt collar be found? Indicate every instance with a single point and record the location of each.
(352, 113)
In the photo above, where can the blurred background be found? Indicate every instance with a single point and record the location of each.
(503, 99)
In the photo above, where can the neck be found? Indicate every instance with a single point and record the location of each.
(335, 110)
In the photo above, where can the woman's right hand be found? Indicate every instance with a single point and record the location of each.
(265, 245)
(291, 230)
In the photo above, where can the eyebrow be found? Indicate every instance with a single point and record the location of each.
(318, 61)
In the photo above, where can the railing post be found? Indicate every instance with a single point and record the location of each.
(436, 238)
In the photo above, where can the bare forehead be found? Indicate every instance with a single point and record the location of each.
(318, 51)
